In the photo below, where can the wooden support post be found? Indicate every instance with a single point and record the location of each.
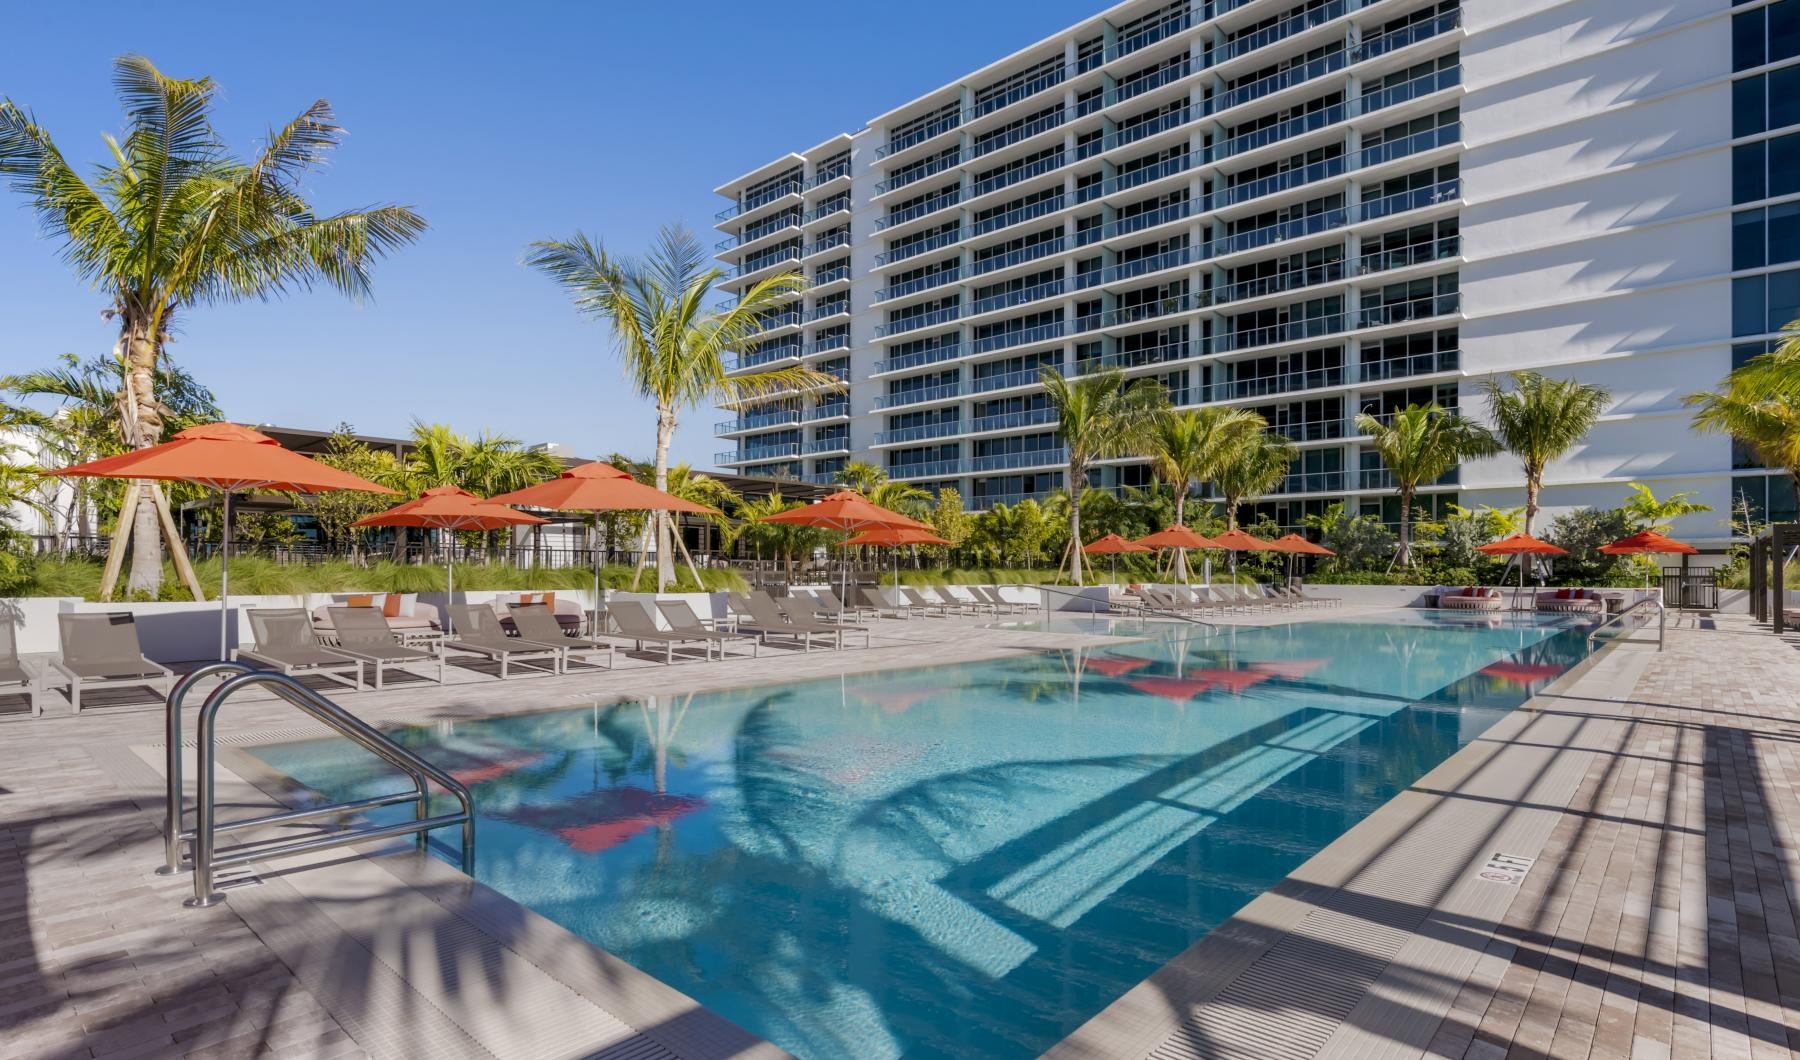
(178, 552)
(121, 537)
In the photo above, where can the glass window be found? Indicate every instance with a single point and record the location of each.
(1784, 97)
(1747, 251)
(1746, 40)
(1747, 182)
(1784, 165)
(1784, 298)
(1784, 30)
(1747, 314)
(1747, 107)
(1784, 233)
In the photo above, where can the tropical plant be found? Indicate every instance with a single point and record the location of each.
(335, 510)
(1418, 445)
(1581, 532)
(1251, 469)
(1758, 404)
(948, 520)
(672, 343)
(1539, 419)
(1360, 541)
(1188, 447)
(1098, 415)
(696, 486)
(861, 476)
(788, 542)
(173, 221)
(1464, 529)
(1646, 512)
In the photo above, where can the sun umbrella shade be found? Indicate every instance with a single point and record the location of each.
(1520, 544)
(846, 510)
(225, 456)
(896, 537)
(599, 487)
(1176, 537)
(450, 508)
(1239, 541)
(1648, 541)
(1300, 546)
(1113, 544)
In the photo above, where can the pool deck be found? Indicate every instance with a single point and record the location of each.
(1656, 793)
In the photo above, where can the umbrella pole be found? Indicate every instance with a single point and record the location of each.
(225, 577)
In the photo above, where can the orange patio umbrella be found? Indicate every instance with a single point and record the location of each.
(1648, 541)
(230, 459)
(1236, 540)
(1520, 545)
(1179, 538)
(1295, 545)
(450, 508)
(1112, 545)
(896, 537)
(847, 511)
(598, 487)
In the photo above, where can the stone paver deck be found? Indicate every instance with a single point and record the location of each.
(1656, 792)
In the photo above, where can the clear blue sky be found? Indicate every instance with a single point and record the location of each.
(501, 123)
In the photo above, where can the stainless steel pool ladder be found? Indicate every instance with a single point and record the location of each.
(1139, 608)
(203, 836)
(1662, 620)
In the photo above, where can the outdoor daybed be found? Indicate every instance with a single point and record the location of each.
(1472, 598)
(1570, 601)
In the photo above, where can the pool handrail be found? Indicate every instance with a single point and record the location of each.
(1662, 621)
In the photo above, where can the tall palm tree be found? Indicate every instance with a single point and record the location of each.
(1188, 447)
(1539, 419)
(1419, 444)
(1646, 511)
(1759, 405)
(1252, 468)
(902, 497)
(172, 221)
(861, 476)
(672, 344)
(1099, 415)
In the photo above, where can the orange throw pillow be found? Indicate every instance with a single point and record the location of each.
(549, 600)
(527, 598)
(390, 605)
(360, 600)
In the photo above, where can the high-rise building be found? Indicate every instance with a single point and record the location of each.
(1311, 208)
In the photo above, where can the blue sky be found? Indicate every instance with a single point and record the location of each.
(501, 123)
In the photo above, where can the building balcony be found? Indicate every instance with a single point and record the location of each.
(1137, 178)
(836, 307)
(760, 200)
(985, 384)
(761, 421)
(1017, 94)
(1125, 226)
(1012, 421)
(788, 227)
(1019, 297)
(1125, 90)
(1407, 367)
(1276, 183)
(830, 277)
(1145, 36)
(1011, 499)
(1380, 478)
(1280, 81)
(1031, 458)
(1166, 353)
(829, 175)
(825, 243)
(1313, 482)
(1031, 336)
(1278, 334)
(903, 215)
(826, 445)
(827, 345)
(919, 396)
(765, 358)
(912, 174)
(1409, 256)
(1045, 249)
(1407, 146)
(1268, 385)
(927, 469)
(836, 207)
(1279, 283)
(917, 284)
(831, 410)
(1280, 232)
(1018, 215)
(999, 141)
(776, 322)
(924, 432)
(903, 251)
(1015, 174)
(1129, 270)
(914, 137)
(1123, 316)
(918, 359)
(1406, 36)
(751, 456)
(1280, 31)
(1380, 316)
(915, 321)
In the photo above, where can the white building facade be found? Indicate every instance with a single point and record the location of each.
(1311, 208)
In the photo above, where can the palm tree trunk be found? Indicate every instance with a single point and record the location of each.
(1077, 479)
(1404, 557)
(1533, 485)
(665, 558)
(144, 424)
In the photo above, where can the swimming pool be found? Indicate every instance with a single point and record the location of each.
(966, 860)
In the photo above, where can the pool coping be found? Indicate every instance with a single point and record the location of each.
(677, 1024)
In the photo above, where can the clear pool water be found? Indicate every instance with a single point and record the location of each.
(970, 860)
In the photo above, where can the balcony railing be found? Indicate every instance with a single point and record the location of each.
(1382, 44)
(1021, 296)
(919, 209)
(1280, 232)
(1006, 340)
(1023, 90)
(920, 433)
(1008, 421)
(1280, 31)
(1380, 478)
(1278, 182)
(827, 175)
(788, 255)
(1411, 365)
(1016, 173)
(919, 171)
(1412, 199)
(1169, 305)
(1125, 90)
(919, 283)
(1010, 499)
(827, 344)
(835, 206)
(767, 355)
(826, 445)
(1162, 28)
(1165, 353)
(1016, 215)
(1403, 91)
(1413, 254)
(1168, 167)
(919, 135)
(786, 319)
(1291, 280)
(831, 410)
(828, 309)
(1005, 380)
(1280, 80)
(919, 357)
(1409, 145)
(1263, 386)
(1000, 140)
(829, 242)
(1163, 215)
(1313, 482)
(1274, 334)
(1281, 130)
(927, 469)
(1412, 309)
(1016, 257)
(758, 421)
(831, 275)
(902, 251)
(1014, 461)
(919, 395)
(750, 456)
(761, 199)
(1125, 270)
(915, 321)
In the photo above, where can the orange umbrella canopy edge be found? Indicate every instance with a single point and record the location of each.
(599, 487)
(1176, 537)
(896, 537)
(1645, 541)
(1519, 544)
(1300, 546)
(1114, 544)
(450, 508)
(225, 456)
(845, 510)
(1239, 541)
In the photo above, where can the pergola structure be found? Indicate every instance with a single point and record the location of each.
(1768, 587)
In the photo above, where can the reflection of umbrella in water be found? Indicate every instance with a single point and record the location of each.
(599, 820)
(897, 700)
(479, 772)
(1288, 669)
(1521, 673)
(1233, 681)
(1113, 665)
(1173, 689)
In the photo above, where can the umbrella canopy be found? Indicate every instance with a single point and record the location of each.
(1113, 544)
(1648, 541)
(895, 537)
(1520, 544)
(1299, 546)
(1520, 673)
(1237, 540)
(450, 508)
(1176, 537)
(845, 510)
(226, 457)
(599, 487)
(230, 459)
